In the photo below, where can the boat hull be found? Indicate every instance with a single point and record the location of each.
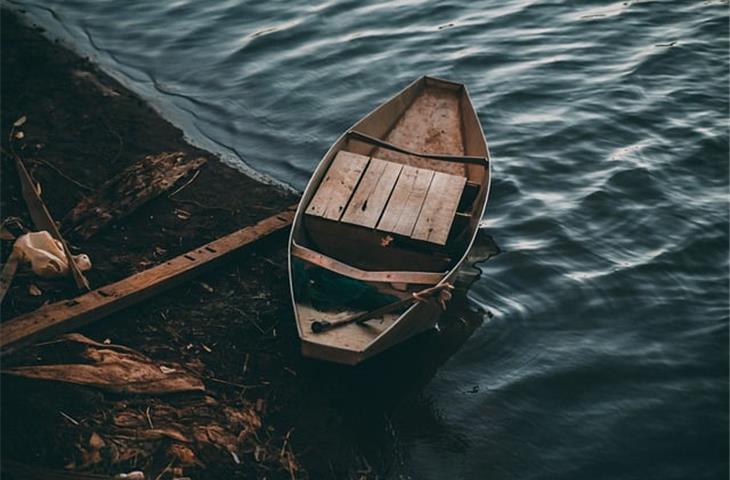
(347, 347)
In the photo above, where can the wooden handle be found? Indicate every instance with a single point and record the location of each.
(319, 326)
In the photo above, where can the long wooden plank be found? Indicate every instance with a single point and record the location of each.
(373, 192)
(336, 189)
(64, 316)
(405, 204)
(333, 265)
(437, 215)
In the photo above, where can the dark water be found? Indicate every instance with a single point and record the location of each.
(607, 353)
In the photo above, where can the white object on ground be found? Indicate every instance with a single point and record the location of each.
(45, 255)
(135, 475)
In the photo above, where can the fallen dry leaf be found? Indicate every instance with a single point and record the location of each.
(96, 442)
(19, 122)
(115, 368)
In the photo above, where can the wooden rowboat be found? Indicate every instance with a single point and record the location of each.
(392, 209)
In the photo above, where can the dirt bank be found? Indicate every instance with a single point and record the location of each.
(266, 412)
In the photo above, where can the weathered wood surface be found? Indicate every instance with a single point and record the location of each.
(64, 316)
(373, 192)
(439, 208)
(336, 189)
(43, 220)
(432, 124)
(405, 204)
(129, 190)
(405, 277)
(114, 368)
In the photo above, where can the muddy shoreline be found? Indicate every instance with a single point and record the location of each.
(233, 326)
(283, 416)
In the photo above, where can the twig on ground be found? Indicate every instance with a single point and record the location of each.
(204, 207)
(233, 384)
(168, 467)
(192, 179)
(149, 419)
(63, 175)
(69, 418)
(286, 441)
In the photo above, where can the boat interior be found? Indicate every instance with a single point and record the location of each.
(395, 203)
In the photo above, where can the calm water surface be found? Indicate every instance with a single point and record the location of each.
(607, 352)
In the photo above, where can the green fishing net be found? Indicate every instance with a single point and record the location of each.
(327, 290)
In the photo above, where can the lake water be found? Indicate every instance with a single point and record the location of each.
(605, 350)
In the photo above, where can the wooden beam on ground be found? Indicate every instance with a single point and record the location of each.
(64, 316)
(145, 180)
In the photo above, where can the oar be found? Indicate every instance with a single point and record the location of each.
(319, 326)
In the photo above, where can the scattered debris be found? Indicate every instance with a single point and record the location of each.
(125, 193)
(178, 190)
(69, 418)
(62, 174)
(135, 475)
(61, 316)
(185, 432)
(34, 290)
(19, 122)
(43, 220)
(6, 233)
(16, 470)
(115, 368)
(8, 273)
(182, 214)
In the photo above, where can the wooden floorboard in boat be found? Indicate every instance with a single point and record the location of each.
(432, 124)
(336, 189)
(351, 337)
(439, 207)
(405, 203)
(373, 192)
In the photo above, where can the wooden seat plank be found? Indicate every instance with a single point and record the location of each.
(336, 189)
(439, 208)
(373, 192)
(333, 265)
(405, 204)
